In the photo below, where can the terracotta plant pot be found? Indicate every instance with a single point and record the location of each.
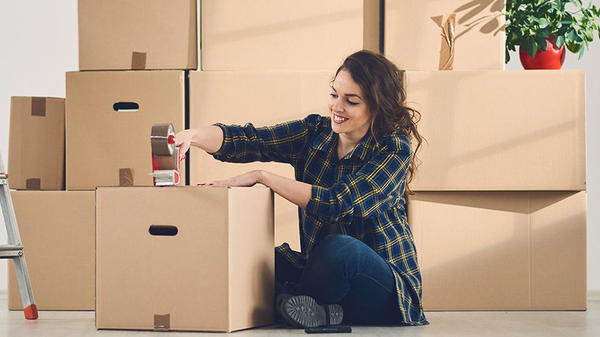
(552, 58)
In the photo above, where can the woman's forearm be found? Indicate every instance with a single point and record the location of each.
(208, 138)
(294, 191)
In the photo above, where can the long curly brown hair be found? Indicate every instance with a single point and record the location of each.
(382, 84)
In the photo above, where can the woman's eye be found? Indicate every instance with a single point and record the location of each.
(351, 103)
(333, 95)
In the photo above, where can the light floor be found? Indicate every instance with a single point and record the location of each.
(463, 324)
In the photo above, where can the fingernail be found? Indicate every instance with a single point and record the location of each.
(201, 184)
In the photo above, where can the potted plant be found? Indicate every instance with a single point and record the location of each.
(542, 28)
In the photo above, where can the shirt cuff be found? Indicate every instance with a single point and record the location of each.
(225, 146)
(318, 204)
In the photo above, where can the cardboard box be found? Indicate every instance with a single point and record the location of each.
(286, 34)
(500, 130)
(184, 258)
(36, 151)
(131, 34)
(57, 229)
(413, 30)
(109, 118)
(263, 98)
(501, 250)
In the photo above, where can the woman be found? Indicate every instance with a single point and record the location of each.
(358, 259)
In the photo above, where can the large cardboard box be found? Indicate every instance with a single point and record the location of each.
(184, 258)
(262, 98)
(133, 34)
(500, 130)
(501, 250)
(36, 149)
(413, 34)
(286, 34)
(57, 229)
(109, 118)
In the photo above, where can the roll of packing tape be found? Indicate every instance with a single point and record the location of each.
(162, 139)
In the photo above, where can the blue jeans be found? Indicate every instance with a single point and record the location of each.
(344, 270)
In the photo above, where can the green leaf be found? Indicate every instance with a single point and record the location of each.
(581, 51)
(560, 41)
(573, 46)
(532, 47)
(541, 42)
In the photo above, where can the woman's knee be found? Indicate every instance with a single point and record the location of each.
(338, 250)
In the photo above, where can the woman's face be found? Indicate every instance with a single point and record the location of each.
(349, 113)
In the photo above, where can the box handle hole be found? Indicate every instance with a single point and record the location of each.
(126, 106)
(163, 230)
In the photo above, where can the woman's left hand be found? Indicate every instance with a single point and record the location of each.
(245, 180)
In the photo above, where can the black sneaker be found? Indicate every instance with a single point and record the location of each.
(303, 311)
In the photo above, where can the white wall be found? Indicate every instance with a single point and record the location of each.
(39, 43)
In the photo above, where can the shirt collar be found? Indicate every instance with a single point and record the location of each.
(326, 139)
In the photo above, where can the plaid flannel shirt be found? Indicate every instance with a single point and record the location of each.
(362, 193)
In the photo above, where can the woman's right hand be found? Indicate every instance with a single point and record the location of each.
(183, 139)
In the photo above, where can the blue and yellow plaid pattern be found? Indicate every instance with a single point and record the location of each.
(362, 193)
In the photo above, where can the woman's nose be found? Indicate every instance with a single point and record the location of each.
(337, 105)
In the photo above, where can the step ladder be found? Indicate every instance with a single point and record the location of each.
(14, 249)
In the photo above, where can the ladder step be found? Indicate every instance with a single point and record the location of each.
(10, 251)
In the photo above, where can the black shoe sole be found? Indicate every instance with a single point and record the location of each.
(304, 312)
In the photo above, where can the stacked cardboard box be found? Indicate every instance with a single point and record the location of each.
(36, 143)
(268, 62)
(179, 254)
(185, 258)
(499, 214)
(499, 211)
(56, 227)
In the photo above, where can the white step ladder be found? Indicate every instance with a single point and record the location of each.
(14, 249)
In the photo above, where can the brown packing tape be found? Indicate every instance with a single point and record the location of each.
(448, 25)
(168, 162)
(125, 177)
(162, 322)
(33, 184)
(138, 60)
(38, 106)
